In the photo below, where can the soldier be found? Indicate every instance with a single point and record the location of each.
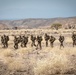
(22, 41)
(4, 40)
(7, 39)
(61, 40)
(39, 40)
(52, 39)
(16, 42)
(25, 41)
(20, 38)
(74, 39)
(46, 39)
(33, 40)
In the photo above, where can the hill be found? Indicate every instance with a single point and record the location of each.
(38, 23)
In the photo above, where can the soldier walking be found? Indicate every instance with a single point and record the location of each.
(61, 40)
(74, 39)
(22, 41)
(25, 41)
(33, 39)
(46, 39)
(4, 41)
(52, 39)
(16, 42)
(7, 39)
(39, 40)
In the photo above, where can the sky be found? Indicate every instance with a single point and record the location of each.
(22, 9)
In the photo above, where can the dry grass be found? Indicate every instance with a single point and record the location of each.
(48, 61)
(57, 62)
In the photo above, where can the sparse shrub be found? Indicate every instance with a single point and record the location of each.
(56, 26)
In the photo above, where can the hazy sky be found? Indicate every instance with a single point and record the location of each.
(21, 9)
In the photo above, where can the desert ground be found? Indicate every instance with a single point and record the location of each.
(47, 61)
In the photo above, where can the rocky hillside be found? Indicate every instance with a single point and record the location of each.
(37, 23)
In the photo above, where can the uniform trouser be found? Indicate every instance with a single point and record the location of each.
(74, 43)
(39, 44)
(46, 43)
(51, 44)
(33, 44)
(5, 45)
(22, 44)
(16, 46)
(25, 44)
(61, 44)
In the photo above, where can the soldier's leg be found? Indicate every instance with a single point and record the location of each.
(60, 45)
(4, 45)
(40, 45)
(46, 43)
(52, 44)
(7, 44)
(16, 46)
(73, 43)
(24, 44)
(21, 45)
(37, 46)
(32, 44)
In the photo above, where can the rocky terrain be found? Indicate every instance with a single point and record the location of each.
(37, 23)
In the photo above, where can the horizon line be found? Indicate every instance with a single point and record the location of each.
(37, 18)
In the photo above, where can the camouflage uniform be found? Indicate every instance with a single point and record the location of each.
(4, 40)
(22, 41)
(7, 39)
(25, 41)
(74, 39)
(39, 40)
(33, 40)
(52, 39)
(61, 40)
(16, 42)
(46, 39)
(20, 38)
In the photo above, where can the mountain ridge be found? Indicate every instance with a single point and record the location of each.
(37, 22)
